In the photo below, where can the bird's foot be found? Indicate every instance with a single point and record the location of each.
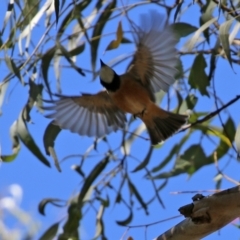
(140, 115)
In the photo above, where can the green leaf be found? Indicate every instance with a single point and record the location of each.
(51, 232)
(35, 96)
(56, 7)
(70, 229)
(174, 150)
(135, 192)
(100, 223)
(68, 58)
(91, 178)
(192, 159)
(125, 40)
(189, 103)
(224, 38)
(29, 11)
(207, 15)
(127, 220)
(146, 160)
(237, 140)
(77, 50)
(97, 31)
(28, 141)
(179, 67)
(119, 196)
(198, 79)
(49, 138)
(73, 14)
(15, 145)
(3, 89)
(54, 201)
(183, 29)
(119, 35)
(14, 69)
(46, 60)
(227, 137)
(178, 9)
(192, 42)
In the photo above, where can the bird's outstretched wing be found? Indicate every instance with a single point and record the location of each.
(154, 62)
(90, 115)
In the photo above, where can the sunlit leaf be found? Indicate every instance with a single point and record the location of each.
(224, 145)
(237, 140)
(189, 103)
(119, 35)
(189, 45)
(3, 89)
(28, 141)
(224, 38)
(99, 225)
(29, 11)
(15, 145)
(7, 15)
(198, 78)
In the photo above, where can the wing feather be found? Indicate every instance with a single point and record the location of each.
(154, 62)
(90, 115)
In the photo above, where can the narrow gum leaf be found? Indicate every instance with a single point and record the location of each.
(28, 141)
(97, 31)
(224, 38)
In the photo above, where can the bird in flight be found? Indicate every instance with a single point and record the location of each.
(152, 69)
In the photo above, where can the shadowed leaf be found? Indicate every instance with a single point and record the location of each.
(54, 201)
(127, 220)
(51, 232)
(91, 178)
(183, 29)
(97, 31)
(49, 138)
(198, 78)
(145, 161)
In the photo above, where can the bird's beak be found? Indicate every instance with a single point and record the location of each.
(102, 63)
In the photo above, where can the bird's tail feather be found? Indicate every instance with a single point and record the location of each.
(162, 124)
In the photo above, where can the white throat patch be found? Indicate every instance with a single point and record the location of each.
(106, 74)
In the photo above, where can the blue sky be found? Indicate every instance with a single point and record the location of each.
(38, 182)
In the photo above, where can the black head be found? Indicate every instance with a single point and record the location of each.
(109, 79)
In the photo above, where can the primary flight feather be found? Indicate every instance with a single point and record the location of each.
(152, 69)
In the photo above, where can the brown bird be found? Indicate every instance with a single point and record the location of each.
(152, 69)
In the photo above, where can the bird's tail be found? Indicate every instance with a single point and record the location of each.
(162, 124)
